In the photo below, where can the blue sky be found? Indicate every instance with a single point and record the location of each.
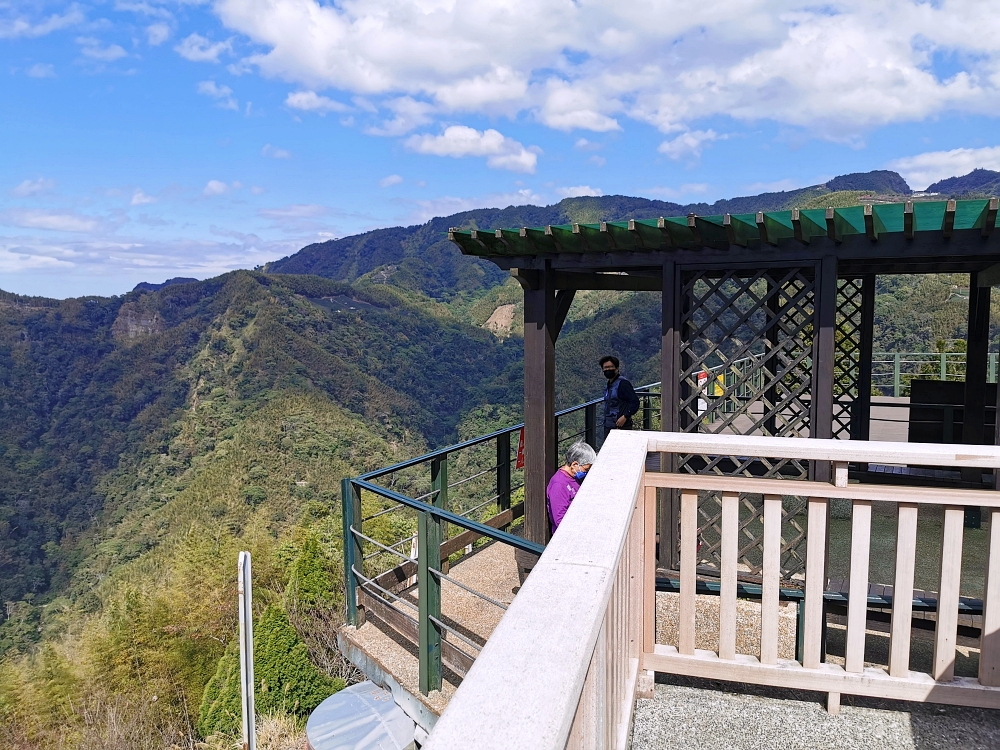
(149, 139)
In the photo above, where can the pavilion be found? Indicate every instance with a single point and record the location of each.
(794, 288)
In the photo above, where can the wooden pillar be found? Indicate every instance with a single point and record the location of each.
(825, 317)
(861, 412)
(539, 399)
(976, 366)
(773, 311)
(670, 368)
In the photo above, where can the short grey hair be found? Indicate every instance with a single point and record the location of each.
(580, 453)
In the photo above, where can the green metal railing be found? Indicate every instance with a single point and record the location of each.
(893, 371)
(421, 503)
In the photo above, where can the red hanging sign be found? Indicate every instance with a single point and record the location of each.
(519, 464)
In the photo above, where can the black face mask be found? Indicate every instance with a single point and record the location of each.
(611, 374)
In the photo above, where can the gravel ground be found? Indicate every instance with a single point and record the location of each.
(690, 713)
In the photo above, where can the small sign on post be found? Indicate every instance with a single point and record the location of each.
(245, 595)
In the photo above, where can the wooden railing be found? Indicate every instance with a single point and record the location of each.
(563, 667)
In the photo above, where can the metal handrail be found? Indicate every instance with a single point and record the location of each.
(446, 515)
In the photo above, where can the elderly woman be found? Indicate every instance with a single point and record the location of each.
(565, 483)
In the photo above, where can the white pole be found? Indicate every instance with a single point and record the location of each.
(246, 651)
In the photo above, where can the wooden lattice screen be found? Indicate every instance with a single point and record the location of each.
(746, 368)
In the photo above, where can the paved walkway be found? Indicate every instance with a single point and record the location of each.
(697, 714)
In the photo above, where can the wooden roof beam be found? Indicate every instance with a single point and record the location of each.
(989, 276)
(948, 224)
(874, 225)
(805, 228)
(608, 281)
(909, 220)
(831, 225)
(987, 220)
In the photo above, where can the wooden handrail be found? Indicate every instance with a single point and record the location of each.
(563, 667)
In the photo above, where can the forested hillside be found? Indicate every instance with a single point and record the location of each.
(146, 439)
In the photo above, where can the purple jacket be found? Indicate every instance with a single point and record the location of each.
(559, 494)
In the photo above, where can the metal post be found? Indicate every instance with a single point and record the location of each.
(647, 413)
(590, 425)
(993, 367)
(439, 488)
(944, 366)
(895, 375)
(861, 429)
(245, 595)
(353, 555)
(503, 471)
(429, 601)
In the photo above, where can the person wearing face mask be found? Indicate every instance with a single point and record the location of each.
(565, 483)
(620, 401)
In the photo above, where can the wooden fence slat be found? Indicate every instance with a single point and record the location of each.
(689, 562)
(857, 606)
(902, 591)
(812, 640)
(730, 550)
(989, 645)
(771, 580)
(946, 630)
(649, 573)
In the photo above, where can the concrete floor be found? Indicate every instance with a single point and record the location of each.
(704, 714)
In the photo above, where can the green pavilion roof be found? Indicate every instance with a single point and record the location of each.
(763, 228)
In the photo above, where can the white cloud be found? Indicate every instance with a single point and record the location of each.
(54, 221)
(600, 161)
(687, 189)
(460, 141)
(389, 181)
(689, 144)
(33, 187)
(445, 205)
(14, 28)
(835, 69)
(197, 48)
(157, 33)
(139, 198)
(410, 114)
(215, 187)
(41, 70)
(144, 9)
(923, 169)
(274, 152)
(296, 211)
(257, 190)
(310, 101)
(222, 94)
(578, 191)
(90, 47)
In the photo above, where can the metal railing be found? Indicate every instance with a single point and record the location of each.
(407, 524)
(893, 371)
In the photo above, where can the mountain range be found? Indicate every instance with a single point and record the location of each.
(146, 438)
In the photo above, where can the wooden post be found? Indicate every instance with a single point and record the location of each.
(539, 399)
(861, 416)
(670, 369)
(976, 365)
(245, 593)
(825, 317)
(503, 471)
(773, 308)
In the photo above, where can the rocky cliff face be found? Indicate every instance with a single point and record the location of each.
(134, 323)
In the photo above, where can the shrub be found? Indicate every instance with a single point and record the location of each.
(284, 678)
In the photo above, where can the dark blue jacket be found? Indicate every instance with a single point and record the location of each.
(619, 399)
